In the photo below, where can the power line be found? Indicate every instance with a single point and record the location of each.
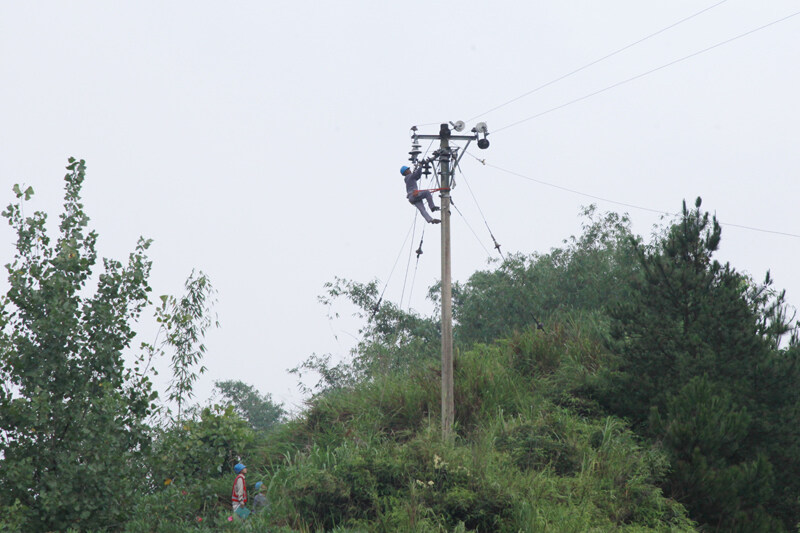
(416, 266)
(633, 206)
(623, 82)
(408, 264)
(496, 245)
(573, 191)
(596, 61)
(472, 230)
(380, 300)
(786, 234)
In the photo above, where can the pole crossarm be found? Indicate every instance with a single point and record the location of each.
(450, 137)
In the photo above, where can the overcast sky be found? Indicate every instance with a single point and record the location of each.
(260, 141)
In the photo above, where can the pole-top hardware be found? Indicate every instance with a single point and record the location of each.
(481, 129)
(415, 151)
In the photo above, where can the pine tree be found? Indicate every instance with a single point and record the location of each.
(698, 344)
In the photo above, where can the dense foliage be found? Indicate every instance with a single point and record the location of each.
(371, 457)
(259, 410)
(703, 359)
(702, 368)
(591, 273)
(72, 432)
(608, 385)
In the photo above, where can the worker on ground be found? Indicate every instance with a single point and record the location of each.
(239, 492)
(416, 196)
(260, 499)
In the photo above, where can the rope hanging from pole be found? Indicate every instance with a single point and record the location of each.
(496, 244)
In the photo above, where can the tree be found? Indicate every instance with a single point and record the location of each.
(690, 318)
(392, 340)
(590, 273)
(260, 412)
(705, 435)
(688, 315)
(72, 433)
(183, 324)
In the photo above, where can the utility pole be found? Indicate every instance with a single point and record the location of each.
(448, 386)
(445, 171)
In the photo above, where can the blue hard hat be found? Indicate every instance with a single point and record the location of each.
(238, 468)
(403, 169)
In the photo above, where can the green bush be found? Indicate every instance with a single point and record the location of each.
(203, 448)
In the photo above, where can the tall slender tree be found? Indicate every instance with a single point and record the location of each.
(72, 417)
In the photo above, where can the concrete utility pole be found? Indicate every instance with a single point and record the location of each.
(448, 387)
(445, 171)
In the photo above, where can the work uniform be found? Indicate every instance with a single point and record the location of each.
(259, 502)
(239, 493)
(416, 197)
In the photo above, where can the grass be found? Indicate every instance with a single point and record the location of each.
(530, 454)
(373, 459)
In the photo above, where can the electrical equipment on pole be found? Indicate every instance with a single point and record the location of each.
(447, 154)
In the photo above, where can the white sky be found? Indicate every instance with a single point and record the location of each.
(260, 141)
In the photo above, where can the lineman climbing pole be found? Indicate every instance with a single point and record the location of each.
(445, 172)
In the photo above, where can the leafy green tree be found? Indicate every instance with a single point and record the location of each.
(72, 433)
(208, 444)
(259, 410)
(590, 273)
(190, 472)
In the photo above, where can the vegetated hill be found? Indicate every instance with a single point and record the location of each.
(528, 455)
(701, 359)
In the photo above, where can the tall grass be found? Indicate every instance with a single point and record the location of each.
(523, 460)
(531, 453)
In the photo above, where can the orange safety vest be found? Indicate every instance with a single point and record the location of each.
(235, 498)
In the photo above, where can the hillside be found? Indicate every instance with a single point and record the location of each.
(609, 385)
(528, 456)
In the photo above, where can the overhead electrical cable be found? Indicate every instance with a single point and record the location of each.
(668, 213)
(596, 61)
(751, 228)
(408, 263)
(496, 244)
(573, 191)
(470, 228)
(380, 300)
(642, 75)
(416, 266)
